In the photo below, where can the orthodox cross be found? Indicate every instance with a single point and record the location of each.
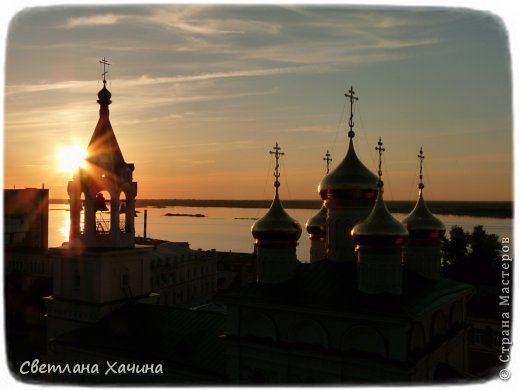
(351, 96)
(380, 150)
(327, 159)
(105, 71)
(277, 155)
(421, 158)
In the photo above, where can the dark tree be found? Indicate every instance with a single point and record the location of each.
(455, 249)
(472, 258)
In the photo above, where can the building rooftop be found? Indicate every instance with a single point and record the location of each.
(187, 339)
(332, 286)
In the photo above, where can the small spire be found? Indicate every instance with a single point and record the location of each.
(104, 95)
(105, 71)
(351, 96)
(277, 155)
(380, 150)
(421, 158)
(327, 159)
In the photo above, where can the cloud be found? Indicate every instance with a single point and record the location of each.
(144, 80)
(96, 20)
(202, 20)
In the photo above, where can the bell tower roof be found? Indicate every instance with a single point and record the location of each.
(103, 148)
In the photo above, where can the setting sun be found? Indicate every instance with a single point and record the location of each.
(70, 158)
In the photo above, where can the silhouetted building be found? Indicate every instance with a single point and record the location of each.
(235, 270)
(183, 277)
(26, 219)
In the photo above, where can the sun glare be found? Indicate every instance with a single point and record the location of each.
(70, 158)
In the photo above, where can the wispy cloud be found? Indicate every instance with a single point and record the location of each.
(200, 20)
(95, 20)
(79, 86)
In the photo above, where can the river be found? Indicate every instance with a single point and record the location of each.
(229, 229)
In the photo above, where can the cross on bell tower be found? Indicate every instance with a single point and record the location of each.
(105, 63)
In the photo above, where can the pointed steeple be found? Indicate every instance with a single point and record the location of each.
(103, 148)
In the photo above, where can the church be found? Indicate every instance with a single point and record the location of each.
(370, 307)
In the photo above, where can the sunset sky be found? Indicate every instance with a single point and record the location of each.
(200, 94)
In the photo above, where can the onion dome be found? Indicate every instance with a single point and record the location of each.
(317, 225)
(351, 179)
(421, 223)
(276, 226)
(380, 228)
(104, 95)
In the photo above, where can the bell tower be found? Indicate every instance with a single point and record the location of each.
(104, 187)
(101, 268)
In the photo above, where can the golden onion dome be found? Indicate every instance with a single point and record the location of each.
(317, 225)
(421, 223)
(380, 228)
(276, 225)
(351, 179)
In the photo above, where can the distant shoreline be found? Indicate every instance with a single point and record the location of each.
(491, 209)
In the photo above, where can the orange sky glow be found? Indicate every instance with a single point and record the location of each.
(201, 93)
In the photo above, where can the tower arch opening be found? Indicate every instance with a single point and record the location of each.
(102, 208)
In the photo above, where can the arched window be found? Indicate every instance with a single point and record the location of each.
(102, 209)
(123, 225)
(82, 214)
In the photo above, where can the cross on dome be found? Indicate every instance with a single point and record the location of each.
(351, 96)
(380, 150)
(421, 158)
(327, 159)
(277, 155)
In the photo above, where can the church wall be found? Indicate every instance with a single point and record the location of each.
(340, 221)
(299, 337)
(183, 277)
(101, 277)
